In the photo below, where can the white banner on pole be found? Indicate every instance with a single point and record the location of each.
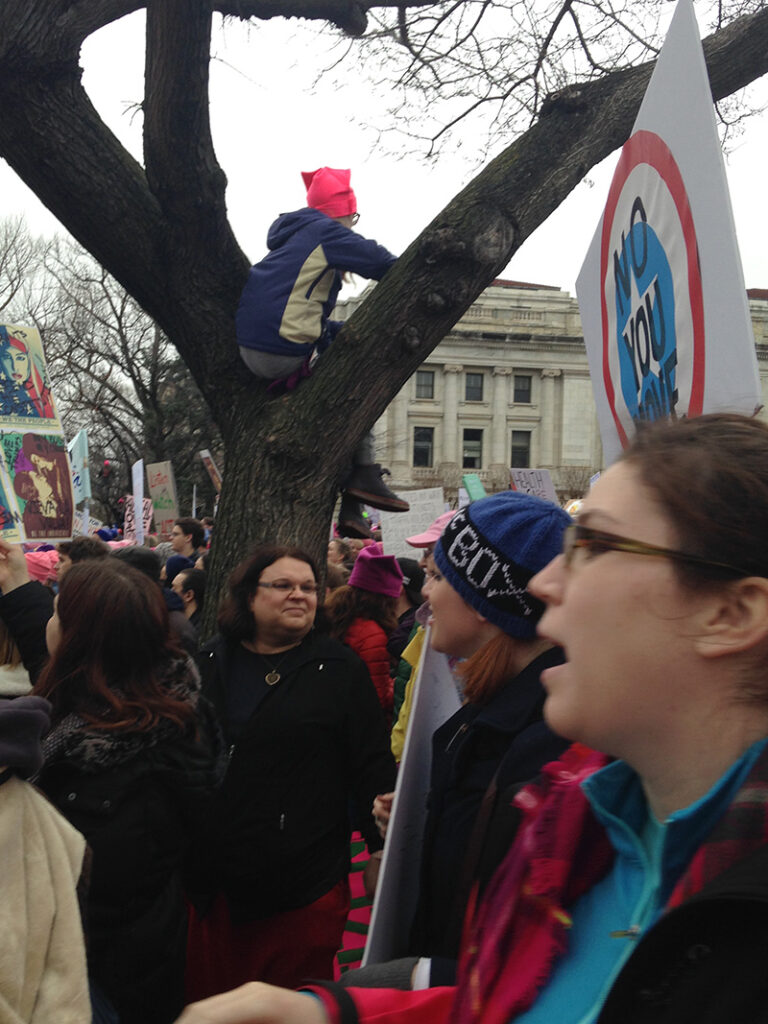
(661, 292)
(137, 478)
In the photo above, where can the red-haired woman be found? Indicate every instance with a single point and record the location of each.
(130, 760)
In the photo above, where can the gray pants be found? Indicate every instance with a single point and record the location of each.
(272, 367)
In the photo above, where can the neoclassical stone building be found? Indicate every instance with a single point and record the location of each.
(508, 387)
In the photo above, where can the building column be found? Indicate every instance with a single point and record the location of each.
(546, 457)
(498, 448)
(449, 461)
(399, 440)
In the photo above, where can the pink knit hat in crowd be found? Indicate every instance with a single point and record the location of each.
(329, 191)
(376, 572)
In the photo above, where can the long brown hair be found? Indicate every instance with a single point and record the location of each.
(345, 604)
(114, 651)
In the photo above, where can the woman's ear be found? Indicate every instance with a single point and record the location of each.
(736, 619)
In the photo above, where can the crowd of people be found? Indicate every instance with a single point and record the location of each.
(176, 816)
(176, 808)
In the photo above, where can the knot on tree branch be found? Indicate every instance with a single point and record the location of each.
(494, 242)
(442, 244)
(411, 338)
(352, 20)
(438, 301)
(570, 100)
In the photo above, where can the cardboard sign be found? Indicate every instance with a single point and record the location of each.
(426, 505)
(537, 482)
(129, 523)
(474, 486)
(435, 699)
(661, 292)
(81, 475)
(162, 490)
(213, 469)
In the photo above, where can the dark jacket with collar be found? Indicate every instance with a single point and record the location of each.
(139, 813)
(316, 745)
(505, 741)
(290, 294)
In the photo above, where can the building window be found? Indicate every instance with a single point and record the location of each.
(472, 452)
(423, 446)
(521, 449)
(425, 383)
(523, 389)
(473, 387)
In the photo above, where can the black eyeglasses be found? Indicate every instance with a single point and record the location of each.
(286, 587)
(598, 542)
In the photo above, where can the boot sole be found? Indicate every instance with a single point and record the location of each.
(376, 501)
(348, 529)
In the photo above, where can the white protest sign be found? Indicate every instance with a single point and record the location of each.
(537, 482)
(426, 505)
(130, 531)
(435, 699)
(87, 526)
(661, 293)
(137, 480)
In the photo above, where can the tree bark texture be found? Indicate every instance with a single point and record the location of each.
(162, 232)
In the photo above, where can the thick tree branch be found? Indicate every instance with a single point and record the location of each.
(468, 244)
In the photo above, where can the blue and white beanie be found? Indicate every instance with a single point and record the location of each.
(490, 550)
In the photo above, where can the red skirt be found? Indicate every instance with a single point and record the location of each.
(285, 949)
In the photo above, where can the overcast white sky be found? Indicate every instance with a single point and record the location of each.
(269, 125)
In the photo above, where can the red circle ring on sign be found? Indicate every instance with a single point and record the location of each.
(647, 148)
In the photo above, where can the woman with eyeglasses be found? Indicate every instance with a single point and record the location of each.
(636, 889)
(307, 741)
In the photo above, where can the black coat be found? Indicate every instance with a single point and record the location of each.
(138, 815)
(505, 741)
(309, 762)
(703, 962)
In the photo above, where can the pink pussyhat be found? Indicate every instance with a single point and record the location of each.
(329, 191)
(376, 572)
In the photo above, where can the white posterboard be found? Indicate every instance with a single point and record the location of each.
(661, 292)
(537, 482)
(435, 699)
(426, 505)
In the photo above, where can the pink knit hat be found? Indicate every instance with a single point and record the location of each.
(376, 572)
(329, 191)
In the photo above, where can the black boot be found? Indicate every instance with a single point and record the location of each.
(366, 485)
(351, 521)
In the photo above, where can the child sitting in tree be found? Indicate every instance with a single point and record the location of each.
(283, 317)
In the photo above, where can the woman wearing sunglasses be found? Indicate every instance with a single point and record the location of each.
(637, 887)
(307, 741)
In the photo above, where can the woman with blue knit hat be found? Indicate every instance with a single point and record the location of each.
(481, 612)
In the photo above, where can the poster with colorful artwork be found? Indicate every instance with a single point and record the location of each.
(40, 484)
(26, 400)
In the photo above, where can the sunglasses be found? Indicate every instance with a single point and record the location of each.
(598, 543)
